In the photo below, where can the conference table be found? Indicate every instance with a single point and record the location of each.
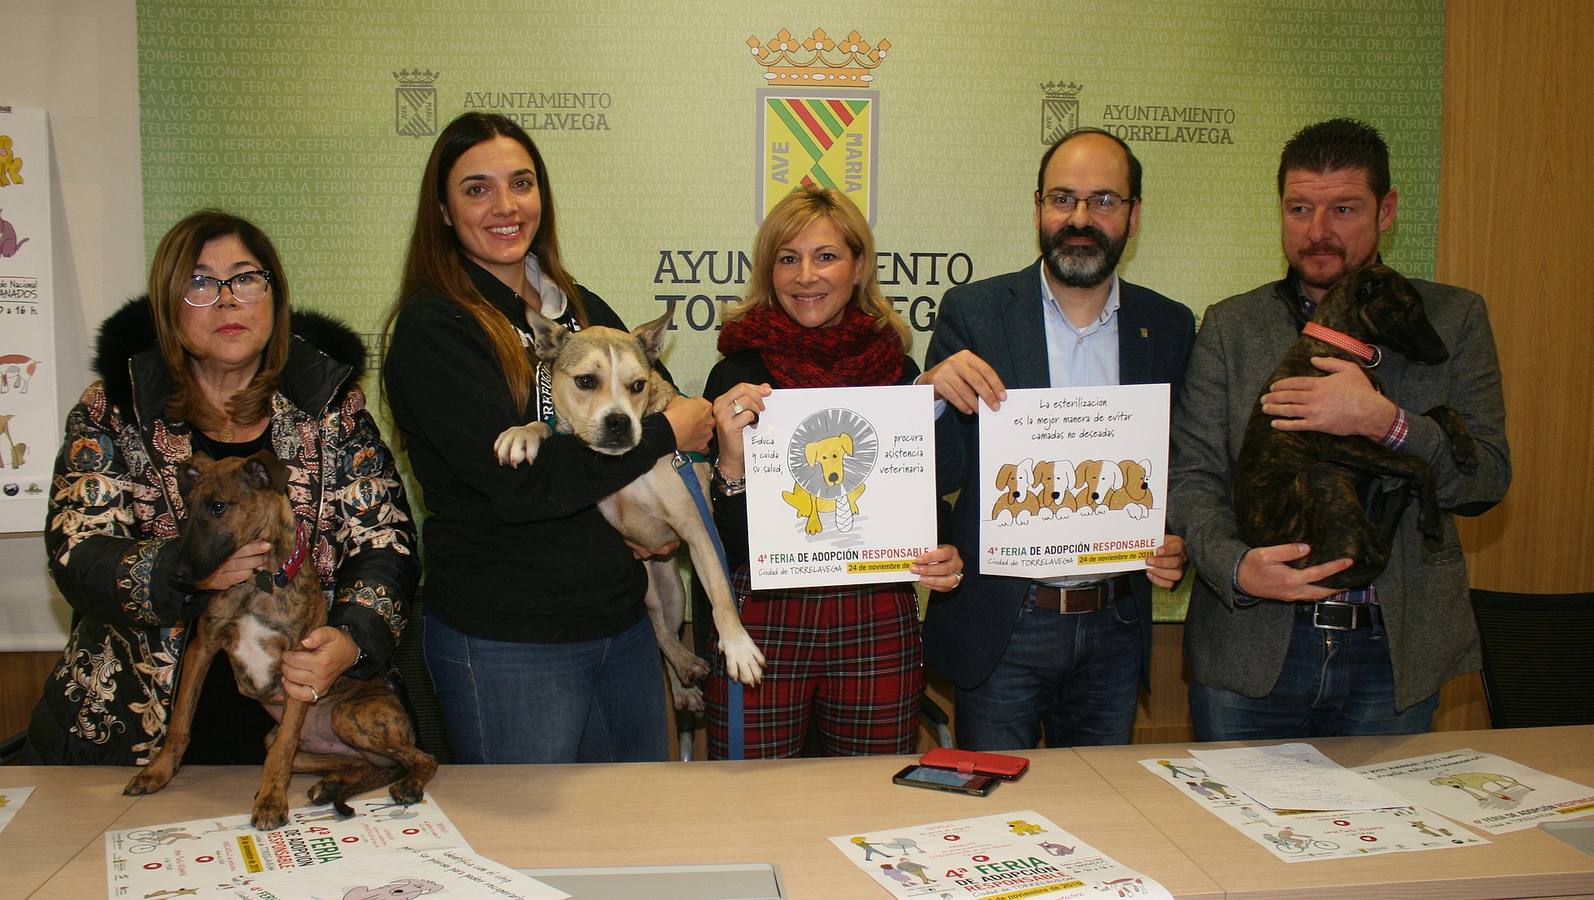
(783, 812)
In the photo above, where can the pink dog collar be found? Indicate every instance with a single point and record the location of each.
(1367, 353)
(290, 566)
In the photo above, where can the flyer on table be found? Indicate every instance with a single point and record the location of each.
(1074, 481)
(454, 873)
(201, 856)
(1298, 836)
(1484, 790)
(840, 485)
(1009, 855)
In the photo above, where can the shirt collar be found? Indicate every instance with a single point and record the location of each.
(1108, 309)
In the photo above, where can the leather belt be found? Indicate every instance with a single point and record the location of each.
(1088, 599)
(1331, 615)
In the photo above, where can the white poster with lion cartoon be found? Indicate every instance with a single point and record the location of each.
(840, 485)
(1074, 481)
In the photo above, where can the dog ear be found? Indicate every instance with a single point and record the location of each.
(846, 443)
(265, 472)
(189, 472)
(811, 451)
(1004, 475)
(652, 334)
(1115, 475)
(548, 335)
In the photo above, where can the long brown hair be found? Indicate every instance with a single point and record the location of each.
(796, 211)
(434, 261)
(169, 276)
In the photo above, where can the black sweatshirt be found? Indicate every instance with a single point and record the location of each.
(511, 554)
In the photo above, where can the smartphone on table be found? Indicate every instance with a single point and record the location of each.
(938, 779)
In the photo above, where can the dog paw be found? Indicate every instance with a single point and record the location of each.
(270, 814)
(688, 698)
(145, 782)
(520, 444)
(743, 660)
(407, 791)
(693, 671)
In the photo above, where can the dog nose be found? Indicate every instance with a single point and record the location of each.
(617, 426)
(833, 477)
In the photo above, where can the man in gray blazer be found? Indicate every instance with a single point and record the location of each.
(1068, 654)
(1271, 654)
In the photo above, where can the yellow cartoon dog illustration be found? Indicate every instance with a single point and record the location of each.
(828, 454)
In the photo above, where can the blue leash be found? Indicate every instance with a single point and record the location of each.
(736, 725)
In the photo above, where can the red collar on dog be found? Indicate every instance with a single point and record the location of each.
(290, 566)
(1367, 353)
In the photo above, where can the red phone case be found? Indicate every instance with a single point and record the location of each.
(1001, 765)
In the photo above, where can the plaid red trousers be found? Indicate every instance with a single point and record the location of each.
(849, 659)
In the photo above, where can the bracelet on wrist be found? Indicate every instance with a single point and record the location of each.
(730, 487)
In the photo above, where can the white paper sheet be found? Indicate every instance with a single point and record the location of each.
(1296, 777)
(11, 800)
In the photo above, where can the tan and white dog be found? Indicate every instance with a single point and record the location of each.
(604, 383)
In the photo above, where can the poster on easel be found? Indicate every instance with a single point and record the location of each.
(840, 485)
(1075, 480)
(29, 423)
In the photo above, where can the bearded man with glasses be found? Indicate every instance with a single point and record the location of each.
(1064, 658)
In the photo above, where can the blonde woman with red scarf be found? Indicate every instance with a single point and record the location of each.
(846, 660)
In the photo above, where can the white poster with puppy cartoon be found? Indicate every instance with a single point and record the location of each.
(1075, 480)
(840, 485)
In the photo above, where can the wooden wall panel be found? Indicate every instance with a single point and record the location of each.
(1516, 215)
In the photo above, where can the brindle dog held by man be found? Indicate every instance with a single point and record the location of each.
(1333, 492)
(357, 735)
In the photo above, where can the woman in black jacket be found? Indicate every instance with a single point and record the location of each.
(212, 361)
(535, 631)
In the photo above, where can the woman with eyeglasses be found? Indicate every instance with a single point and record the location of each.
(534, 628)
(212, 361)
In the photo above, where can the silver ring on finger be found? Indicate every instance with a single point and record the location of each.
(736, 408)
(958, 576)
(315, 695)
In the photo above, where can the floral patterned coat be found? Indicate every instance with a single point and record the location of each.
(115, 511)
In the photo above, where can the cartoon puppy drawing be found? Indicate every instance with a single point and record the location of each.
(1057, 488)
(829, 455)
(1094, 478)
(1133, 495)
(1019, 499)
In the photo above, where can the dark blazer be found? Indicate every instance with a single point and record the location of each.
(1002, 321)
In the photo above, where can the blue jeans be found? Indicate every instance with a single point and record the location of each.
(508, 702)
(1332, 683)
(1077, 676)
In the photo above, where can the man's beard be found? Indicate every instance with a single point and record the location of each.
(1079, 265)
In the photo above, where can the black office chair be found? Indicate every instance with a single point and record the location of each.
(1537, 668)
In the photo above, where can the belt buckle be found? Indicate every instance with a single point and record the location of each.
(1317, 613)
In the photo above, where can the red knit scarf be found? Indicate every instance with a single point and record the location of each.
(852, 353)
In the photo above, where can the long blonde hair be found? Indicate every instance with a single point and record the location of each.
(796, 211)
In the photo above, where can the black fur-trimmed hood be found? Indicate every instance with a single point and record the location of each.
(130, 331)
